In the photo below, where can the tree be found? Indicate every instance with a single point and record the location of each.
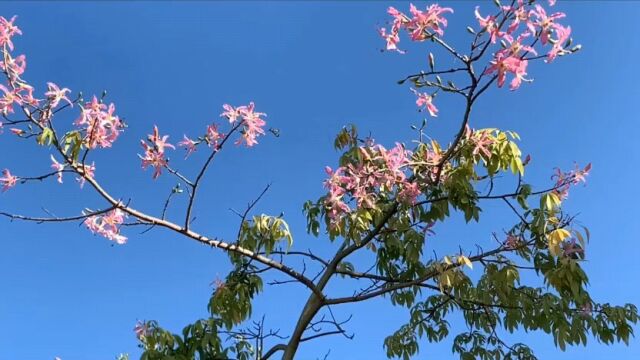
(381, 206)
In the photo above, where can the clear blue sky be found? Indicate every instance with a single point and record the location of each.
(312, 67)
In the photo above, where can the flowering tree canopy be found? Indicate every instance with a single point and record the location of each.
(380, 207)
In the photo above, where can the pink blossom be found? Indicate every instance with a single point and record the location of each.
(231, 113)
(503, 63)
(516, 46)
(419, 27)
(159, 142)
(489, 25)
(546, 23)
(55, 94)
(425, 100)
(7, 180)
(88, 172)
(424, 21)
(14, 67)
(252, 125)
(482, 141)
(519, 73)
(107, 225)
(409, 193)
(379, 171)
(564, 180)
(335, 206)
(8, 99)
(392, 38)
(213, 135)
(521, 15)
(512, 242)
(189, 145)
(563, 34)
(154, 152)
(7, 31)
(58, 167)
(99, 123)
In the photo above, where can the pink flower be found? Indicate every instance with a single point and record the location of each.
(154, 152)
(512, 242)
(489, 25)
(503, 64)
(425, 100)
(563, 34)
(565, 180)
(7, 31)
(88, 172)
(159, 142)
(420, 27)
(409, 193)
(213, 135)
(482, 141)
(8, 99)
(252, 124)
(521, 15)
(189, 145)
(544, 22)
(231, 113)
(516, 46)
(107, 225)
(14, 67)
(431, 19)
(55, 94)
(7, 180)
(335, 207)
(100, 125)
(58, 167)
(392, 38)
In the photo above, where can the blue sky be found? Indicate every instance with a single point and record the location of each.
(312, 67)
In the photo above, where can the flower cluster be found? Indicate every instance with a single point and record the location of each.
(16, 92)
(481, 140)
(7, 180)
(421, 26)
(379, 171)
(154, 152)
(564, 180)
(537, 25)
(252, 124)
(108, 225)
(7, 31)
(99, 123)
